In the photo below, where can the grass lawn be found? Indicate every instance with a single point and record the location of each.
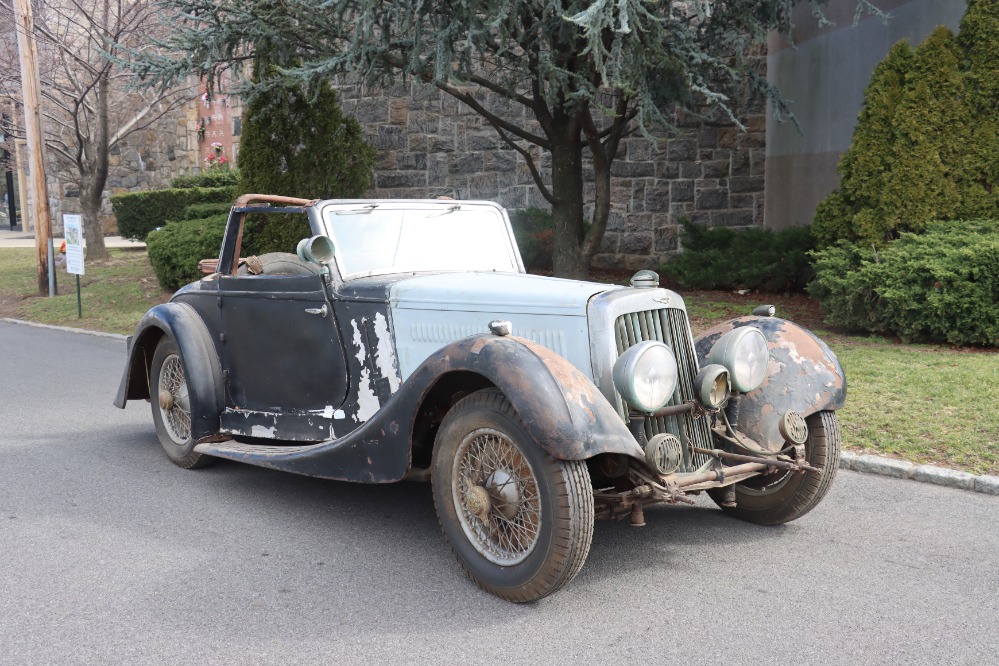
(922, 403)
(115, 293)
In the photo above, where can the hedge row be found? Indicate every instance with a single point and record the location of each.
(940, 286)
(209, 178)
(176, 249)
(138, 213)
(725, 258)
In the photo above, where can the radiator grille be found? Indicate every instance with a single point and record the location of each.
(668, 325)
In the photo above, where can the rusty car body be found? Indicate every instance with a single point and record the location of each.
(404, 340)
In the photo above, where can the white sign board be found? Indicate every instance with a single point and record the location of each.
(73, 229)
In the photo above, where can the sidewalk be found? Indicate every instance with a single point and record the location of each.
(10, 238)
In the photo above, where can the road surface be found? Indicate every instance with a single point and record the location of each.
(111, 554)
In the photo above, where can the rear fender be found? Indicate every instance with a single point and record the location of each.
(804, 376)
(202, 369)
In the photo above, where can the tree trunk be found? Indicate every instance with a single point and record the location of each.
(90, 205)
(567, 189)
(94, 177)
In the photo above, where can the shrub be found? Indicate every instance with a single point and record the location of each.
(209, 178)
(535, 233)
(299, 143)
(138, 213)
(202, 210)
(273, 232)
(176, 249)
(724, 258)
(939, 286)
(926, 145)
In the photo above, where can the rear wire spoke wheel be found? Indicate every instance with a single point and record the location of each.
(171, 404)
(778, 499)
(519, 521)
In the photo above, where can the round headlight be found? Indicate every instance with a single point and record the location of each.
(712, 386)
(646, 375)
(745, 353)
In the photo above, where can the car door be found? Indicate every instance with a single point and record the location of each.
(284, 368)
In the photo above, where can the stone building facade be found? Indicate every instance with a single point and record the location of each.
(429, 144)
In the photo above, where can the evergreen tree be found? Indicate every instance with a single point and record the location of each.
(926, 158)
(867, 165)
(979, 40)
(299, 144)
(926, 145)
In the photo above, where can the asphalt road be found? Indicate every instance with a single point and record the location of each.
(111, 554)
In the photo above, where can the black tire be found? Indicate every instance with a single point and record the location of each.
(279, 263)
(171, 406)
(531, 497)
(773, 500)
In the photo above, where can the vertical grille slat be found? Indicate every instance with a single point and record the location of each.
(668, 325)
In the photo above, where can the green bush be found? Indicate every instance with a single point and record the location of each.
(202, 210)
(299, 143)
(274, 232)
(926, 145)
(760, 259)
(535, 233)
(138, 213)
(939, 286)
(209, 178)
(176, 249)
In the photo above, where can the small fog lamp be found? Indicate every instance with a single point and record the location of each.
(712, 386)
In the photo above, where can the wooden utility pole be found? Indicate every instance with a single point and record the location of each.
(31, 93)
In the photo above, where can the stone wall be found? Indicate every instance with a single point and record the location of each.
(429, 145)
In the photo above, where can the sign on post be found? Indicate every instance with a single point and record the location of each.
(73, 230)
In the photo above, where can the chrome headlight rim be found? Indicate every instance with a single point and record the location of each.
(638, 362)
(745, 353)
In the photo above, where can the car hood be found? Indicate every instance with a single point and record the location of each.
(495, 293)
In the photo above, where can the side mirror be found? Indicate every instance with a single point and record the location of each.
(316, 250)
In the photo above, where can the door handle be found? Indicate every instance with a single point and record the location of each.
(322, 312)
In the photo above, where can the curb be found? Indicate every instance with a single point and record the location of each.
(903, 469)
(65, 329)
(864, 463)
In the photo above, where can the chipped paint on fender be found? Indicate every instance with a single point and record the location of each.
(367, 401)
(804, 375)
(385, 360)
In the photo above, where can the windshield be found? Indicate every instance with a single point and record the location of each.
(388, 237)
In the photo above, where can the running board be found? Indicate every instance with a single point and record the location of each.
(339, 459)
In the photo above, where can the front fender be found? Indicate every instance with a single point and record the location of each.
(564, 412)
(201, 364)
(804, 376)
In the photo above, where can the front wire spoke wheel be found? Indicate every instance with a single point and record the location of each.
(518, 520)
(495, 493)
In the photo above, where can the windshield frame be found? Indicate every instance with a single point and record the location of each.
(329, 208)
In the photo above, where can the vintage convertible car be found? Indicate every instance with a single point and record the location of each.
(404, 340)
